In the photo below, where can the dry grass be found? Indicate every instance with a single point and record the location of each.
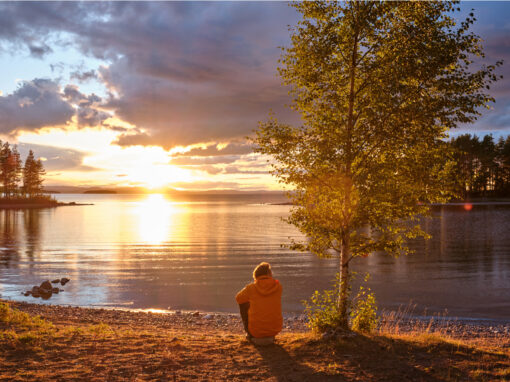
(131, 346)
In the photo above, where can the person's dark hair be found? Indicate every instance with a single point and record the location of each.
(263, 269)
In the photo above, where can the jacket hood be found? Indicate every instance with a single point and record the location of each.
(266, 285)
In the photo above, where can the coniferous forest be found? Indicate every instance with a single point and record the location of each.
(483, 166)
(18, 180)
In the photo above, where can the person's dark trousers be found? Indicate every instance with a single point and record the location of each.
(243, 309)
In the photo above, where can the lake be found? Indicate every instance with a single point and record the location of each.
(151, 252)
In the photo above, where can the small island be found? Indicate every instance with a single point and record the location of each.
(21, 185)
(99, 191)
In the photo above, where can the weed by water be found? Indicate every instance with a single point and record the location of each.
(19, 329)
(100, 330)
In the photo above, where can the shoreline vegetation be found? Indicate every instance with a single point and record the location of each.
(52, 342)
(36, 202)
(21, 184)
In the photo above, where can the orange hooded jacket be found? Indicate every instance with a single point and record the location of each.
(265, 313)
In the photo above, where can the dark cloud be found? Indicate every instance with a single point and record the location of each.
(36, 24)
(41, 102)
(34, 104)
(184, 72)
(39, 51)
(190, 73)
(493, 27)
(88, 112)
(84, 76)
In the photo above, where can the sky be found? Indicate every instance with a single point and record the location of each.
(163, 94)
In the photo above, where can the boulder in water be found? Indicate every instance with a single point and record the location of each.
(55, 290)
(46, 295)
(56, 281)
(45, 287)
(64, 280)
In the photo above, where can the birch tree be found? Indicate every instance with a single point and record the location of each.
(378, 85)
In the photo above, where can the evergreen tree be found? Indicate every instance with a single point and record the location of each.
(10, 173)
(30, 175)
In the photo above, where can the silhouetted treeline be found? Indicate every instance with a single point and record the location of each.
(483, 165)
(18, 180)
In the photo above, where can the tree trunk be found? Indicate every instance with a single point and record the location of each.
(343, 296)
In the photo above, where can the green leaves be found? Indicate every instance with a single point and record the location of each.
(378, 84)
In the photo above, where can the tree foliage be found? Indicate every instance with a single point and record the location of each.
(33, 173)
(377, 85)
(12, 172)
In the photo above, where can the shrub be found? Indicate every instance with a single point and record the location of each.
(323, 312)
(364, 310)
(322, 309)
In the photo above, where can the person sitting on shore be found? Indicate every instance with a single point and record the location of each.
(260, 305)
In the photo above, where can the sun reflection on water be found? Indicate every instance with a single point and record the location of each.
(155, 217)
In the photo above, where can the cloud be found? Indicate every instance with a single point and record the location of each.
(39, 51)
(88, 113)
(184, 72)
(42, 103)
(237, 170)
(84, 76)
(34, 104)
(57, 159)
(232, 148)
(208, 185)
(211, 170)
(182, 161)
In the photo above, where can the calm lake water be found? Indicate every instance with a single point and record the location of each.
(147, 251)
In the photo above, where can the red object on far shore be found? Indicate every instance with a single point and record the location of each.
(468, 206)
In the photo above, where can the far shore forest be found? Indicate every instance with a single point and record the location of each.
(483, 166)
